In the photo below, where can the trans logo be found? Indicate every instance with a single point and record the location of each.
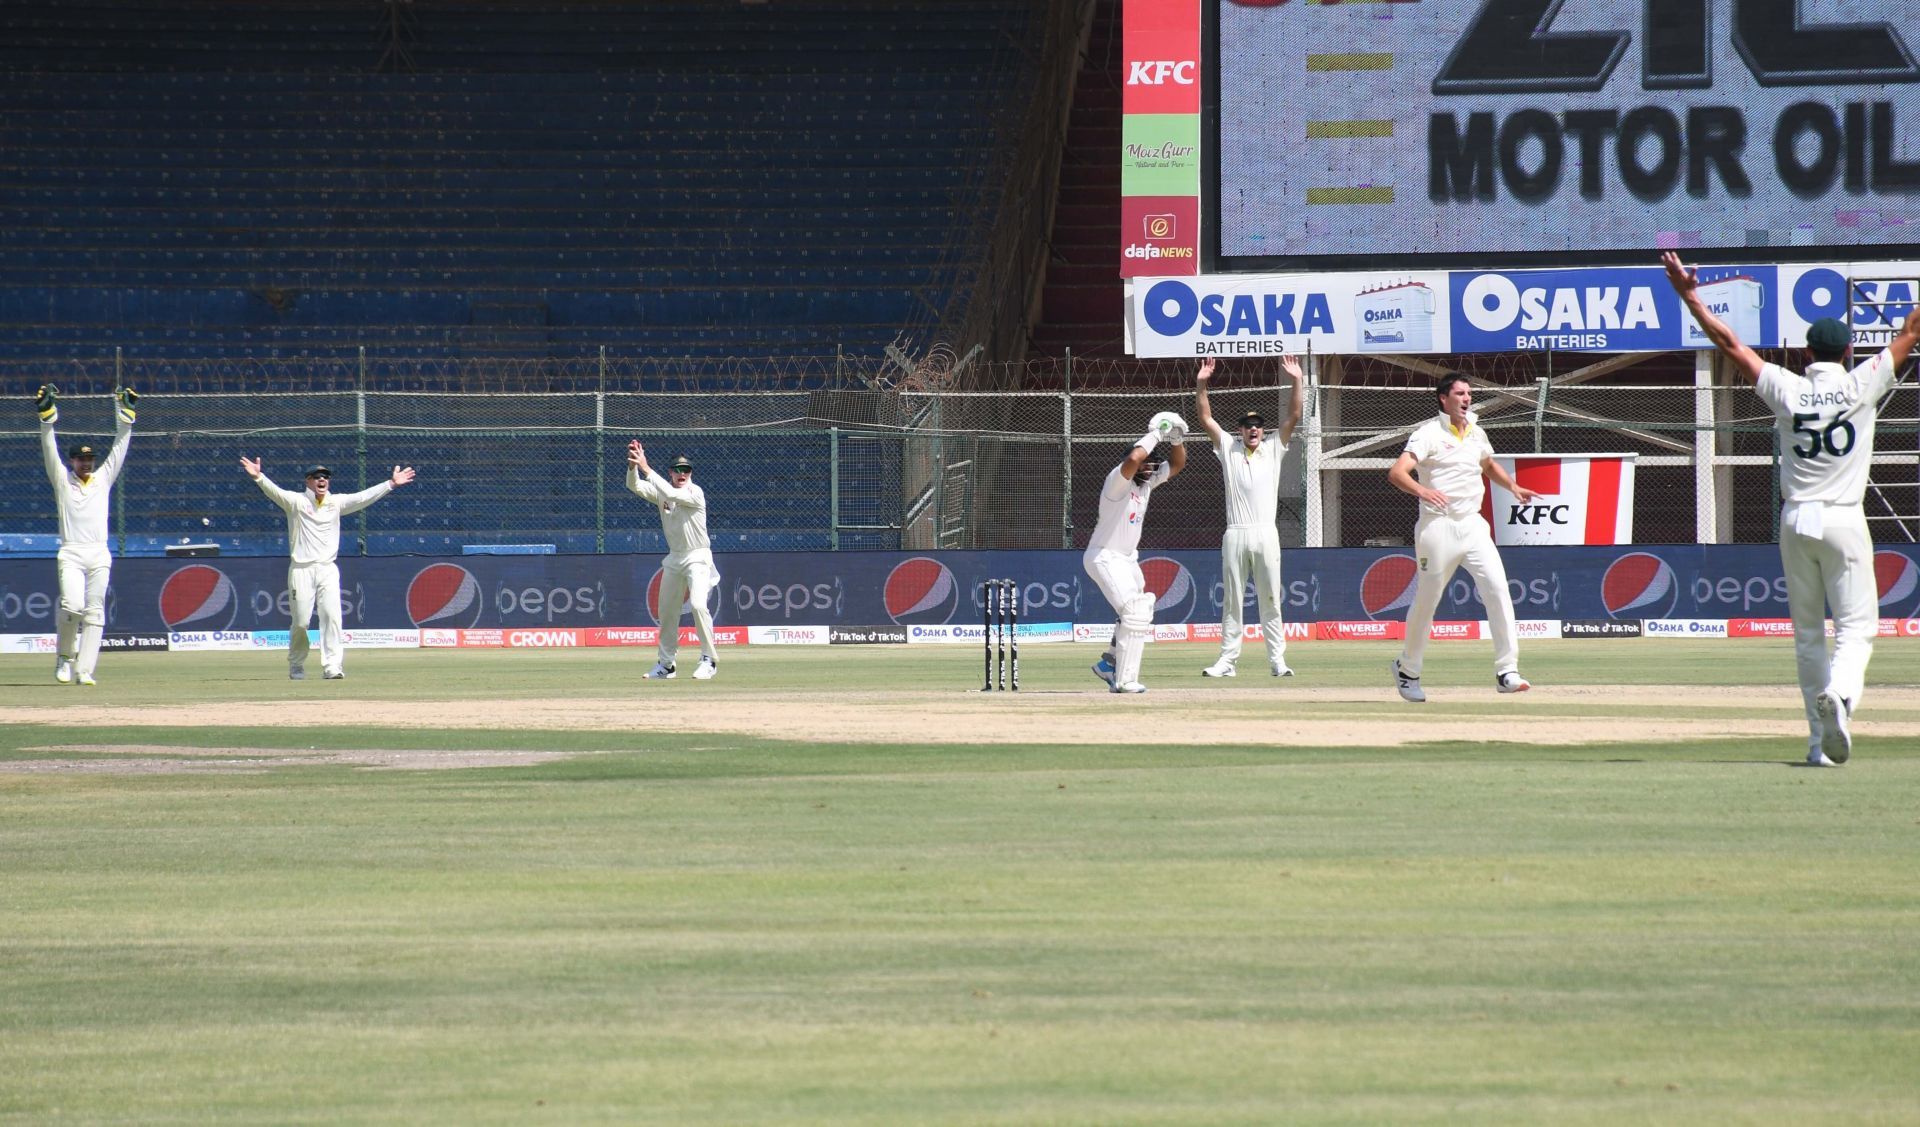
(445, 595)
(1898, 578)
(198, 597)
(686, 608)
(1174, 591)
(1387, 587)
(921, 592)
(1639, 585)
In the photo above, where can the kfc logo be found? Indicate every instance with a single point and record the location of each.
(1161, 72)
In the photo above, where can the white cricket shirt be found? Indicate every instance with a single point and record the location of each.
(1252, 479)
(1449, 460)
(683, 512)
(1123, 507)
(84, 505)
(1826, 421)
(313, 522)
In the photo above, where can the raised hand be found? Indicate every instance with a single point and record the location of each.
(251, 465)
(401, 476)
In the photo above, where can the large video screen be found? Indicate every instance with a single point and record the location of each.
(1512, 132)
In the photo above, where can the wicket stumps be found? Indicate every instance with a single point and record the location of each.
(1000, 610)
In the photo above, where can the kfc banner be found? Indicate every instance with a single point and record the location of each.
(1160, 139)
(1583, 499)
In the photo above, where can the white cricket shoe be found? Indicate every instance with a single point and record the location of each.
(63, 671)
(1128, 687)
(1512, 682)
(1221, 668)
(296, 673)
(1836, 734)
(334, 675)
(661, 672)
(705, 670)
(1409, 686)
(1816, 759)
(1280, 669)
(83, 679)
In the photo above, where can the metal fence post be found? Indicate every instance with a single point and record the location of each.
(1066, 467)
(600, 451)
(360, 441)
(833, 488)
(1540, 409)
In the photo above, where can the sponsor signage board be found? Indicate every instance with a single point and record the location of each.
(867, 635)
(30, 643)
(1599, 628)
(191, 641)
(114, 641)
(787, 635)
(1684, 627)
(1160, 137)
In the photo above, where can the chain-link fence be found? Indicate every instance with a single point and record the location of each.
(863, 460)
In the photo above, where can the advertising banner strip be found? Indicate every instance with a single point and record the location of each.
(1160, 137)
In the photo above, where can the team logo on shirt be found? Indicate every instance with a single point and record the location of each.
(444, 594)
(1639, 585)
(198, 596)
(1387, 585)
(1173, 589)
(921, 592)
(686, 607)
(1897, 578)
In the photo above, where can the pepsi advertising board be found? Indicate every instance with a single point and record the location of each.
(1597, 309)
(1510, 132)
(866, 590)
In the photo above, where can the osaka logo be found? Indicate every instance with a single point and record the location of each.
(921, 592)
(1639, 585)
(198, 596)
(1897, 577)
(1173, 589)
(1388, 585)
(686, 607)
(444, 594)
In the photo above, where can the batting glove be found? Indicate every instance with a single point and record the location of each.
(1169, 427)
(128, 397)
(43, 402)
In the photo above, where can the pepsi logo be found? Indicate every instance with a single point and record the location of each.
(444, 594)
(1388, 584)
(1639, 585)
(686, 607)
(1172, 587)
(921, 592)
(1897, 578)
(198, 596)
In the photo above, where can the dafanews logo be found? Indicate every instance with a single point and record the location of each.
(1172, 587)
(1387, 586)
(686, 606)
(445, 595)
(1898, 578)
(198, 596)
(921, 592)
(1639, 585)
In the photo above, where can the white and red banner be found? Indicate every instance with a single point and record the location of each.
(1583, 499)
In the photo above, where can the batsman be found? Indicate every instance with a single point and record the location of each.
(81, 494)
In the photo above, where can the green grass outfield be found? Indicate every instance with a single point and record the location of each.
(682, 924)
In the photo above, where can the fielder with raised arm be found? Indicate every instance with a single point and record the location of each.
(313, 543)
(85, 563)
(1250, 547)
(1112, 558)
(1451, 452)
(1826, 420)
(687, 573)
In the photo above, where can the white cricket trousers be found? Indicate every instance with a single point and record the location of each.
(1251, 552)
(316, 586)
(84, 570)
(687, 581)
(1119, 578)
(1834, 569)
(1443, 544)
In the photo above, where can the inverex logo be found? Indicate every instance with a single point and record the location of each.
(1173, 308)
(198, 596)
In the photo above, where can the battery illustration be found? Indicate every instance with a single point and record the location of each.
(1736, 300)
(1397, 317)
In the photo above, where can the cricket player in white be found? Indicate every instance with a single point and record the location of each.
(1112, 557)
(1250, 547)
(313, 543)
(85, 562)
(1451, 453)
(687, 573)
(1826, 421)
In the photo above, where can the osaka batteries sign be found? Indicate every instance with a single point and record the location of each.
(1598, 309)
